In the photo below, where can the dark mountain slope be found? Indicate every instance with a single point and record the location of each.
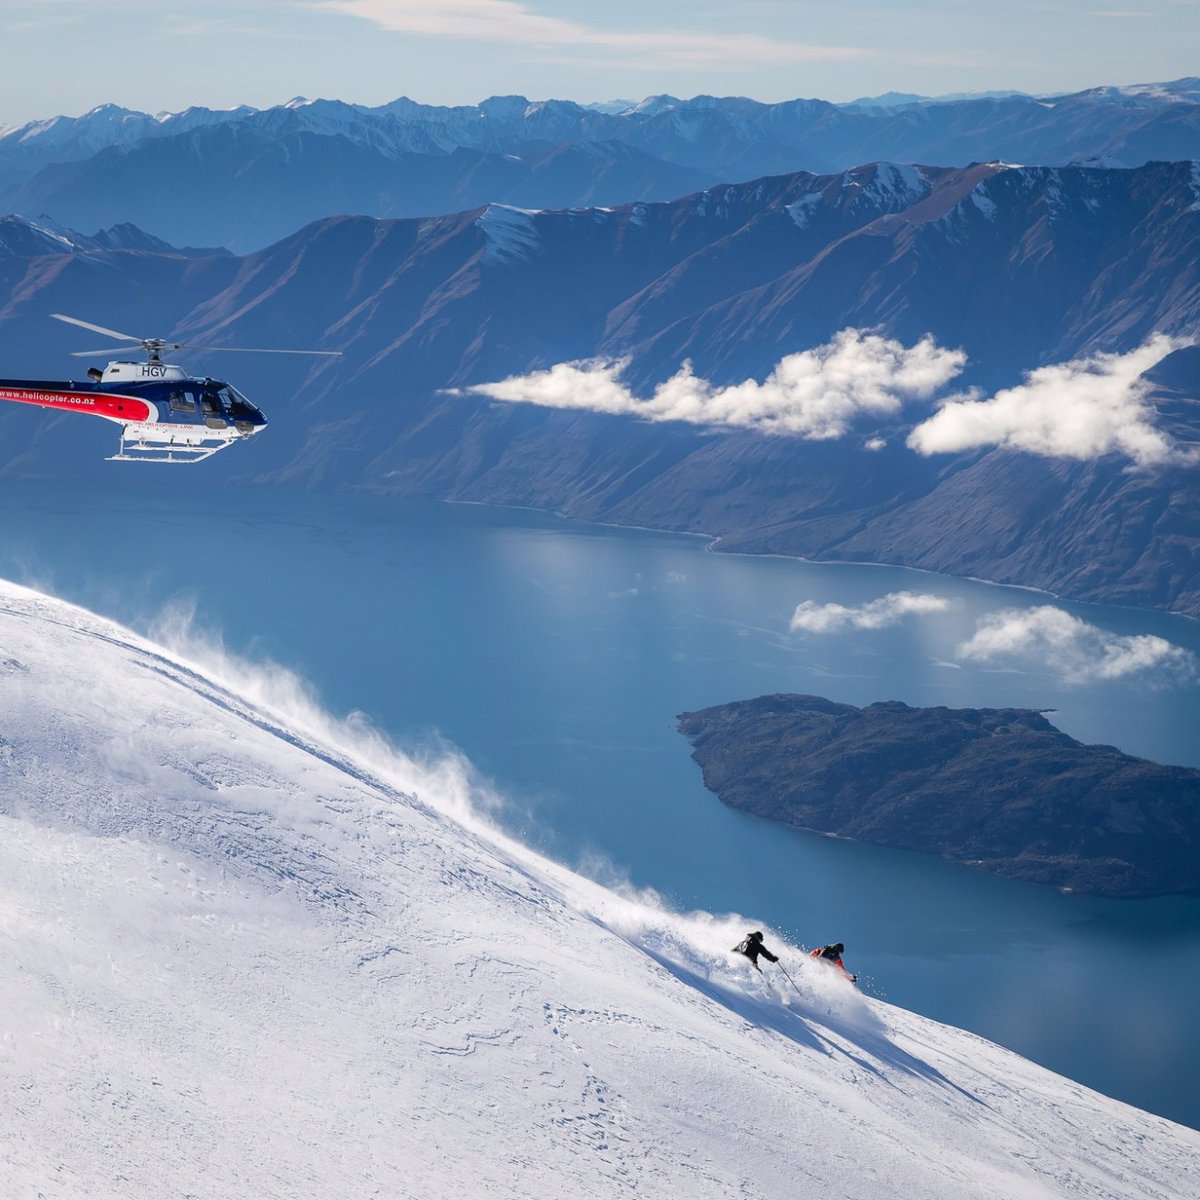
(1019, 267)
(243, 186)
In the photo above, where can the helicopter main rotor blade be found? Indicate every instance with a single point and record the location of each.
(121, 337)
(257, 350)
(110, 351)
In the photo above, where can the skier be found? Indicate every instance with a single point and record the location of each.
(752, 946)
(833, 954)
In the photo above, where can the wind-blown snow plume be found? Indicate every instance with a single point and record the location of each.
(1080, 652)
(438, 773)
(1082, 409)
(695, 943)
(814, 394)
(697, 946)
(811, 617)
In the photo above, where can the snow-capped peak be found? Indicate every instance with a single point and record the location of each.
(896, 185)
(510, 233)
(801, 211)
(652, 105)
(31, 237)
(26, 237)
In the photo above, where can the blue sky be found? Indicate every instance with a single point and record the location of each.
(65, 56)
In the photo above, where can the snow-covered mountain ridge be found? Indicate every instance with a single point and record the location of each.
(251, 951)
(28, 237)
(504, 121)
(268, 171)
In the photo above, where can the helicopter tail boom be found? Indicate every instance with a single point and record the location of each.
(65, 397)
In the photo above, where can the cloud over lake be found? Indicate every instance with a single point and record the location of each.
(1048, 637)
(811, 617)
(1044, 638)
(815, 394)
(1082, 409)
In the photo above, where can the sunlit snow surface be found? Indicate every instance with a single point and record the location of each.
(249, 951)
(510, 234)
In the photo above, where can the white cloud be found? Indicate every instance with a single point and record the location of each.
(1081, 409)
(814, 394)
(811, 617)
(1050, 638)
(513, 22)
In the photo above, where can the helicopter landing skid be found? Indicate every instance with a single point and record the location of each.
(171, 444)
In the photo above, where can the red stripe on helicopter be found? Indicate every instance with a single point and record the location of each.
(99, 404)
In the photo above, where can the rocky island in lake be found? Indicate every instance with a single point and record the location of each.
(999, 788)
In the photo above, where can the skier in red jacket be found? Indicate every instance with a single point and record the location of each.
(833, 954)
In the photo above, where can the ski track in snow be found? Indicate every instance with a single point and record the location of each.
(244, 955)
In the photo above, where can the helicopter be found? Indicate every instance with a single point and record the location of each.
(165, 415)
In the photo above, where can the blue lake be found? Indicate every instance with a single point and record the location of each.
(557, 656)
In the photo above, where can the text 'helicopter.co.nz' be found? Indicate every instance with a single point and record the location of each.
(165, 414)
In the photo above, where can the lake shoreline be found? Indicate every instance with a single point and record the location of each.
(713, 546)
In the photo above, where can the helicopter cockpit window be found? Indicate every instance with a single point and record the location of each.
(182, 401)
(235, 402)
(208, 403)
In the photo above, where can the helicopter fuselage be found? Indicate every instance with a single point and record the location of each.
(165, 414)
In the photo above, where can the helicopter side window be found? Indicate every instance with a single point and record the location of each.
(208, 404)
(183, 402)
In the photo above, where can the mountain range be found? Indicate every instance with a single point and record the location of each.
(21, 238)
(246, 177)
(1016, 267)
(250, 951)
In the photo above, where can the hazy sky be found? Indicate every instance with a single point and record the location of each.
(65, 56)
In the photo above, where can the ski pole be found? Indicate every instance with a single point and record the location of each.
(791, 980)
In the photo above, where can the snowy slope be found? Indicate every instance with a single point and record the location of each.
(248, 951)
